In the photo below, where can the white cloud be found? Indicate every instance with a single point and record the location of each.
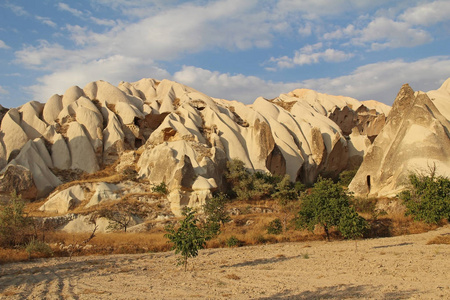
(186, 28)
(3, 90)
(3, 45)
(46, 56)
(103, 22)
(381, 81)
(386, 33)
(231, 87)
(112, 69)
(305, 30)
(309, 55)
(340, 33)
(46, 21)
(314, 9)
(427, 13)
(17, 10)
(378, 81)
(65, 7)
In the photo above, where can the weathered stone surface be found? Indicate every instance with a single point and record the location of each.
(64, 201)
(415, 137)
(71, 95)
(104, 192)
(18, 179)
(13, 136)
(52, 109)
(30, 157)
(81, 150)
(93, 125)
(60, 153)
(30, 122)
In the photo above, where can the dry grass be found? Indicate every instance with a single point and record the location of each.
(12, 255)
(233, 276)
(286, 105)
(440, 240)
(249, 227)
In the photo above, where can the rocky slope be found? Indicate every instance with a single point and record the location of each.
(168, 132)
(416, 139)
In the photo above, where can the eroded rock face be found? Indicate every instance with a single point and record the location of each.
(414, 138)
(36, 159)
(18, 179)
(183, 136)
(64, 201)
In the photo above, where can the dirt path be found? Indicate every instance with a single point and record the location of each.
(389, 268)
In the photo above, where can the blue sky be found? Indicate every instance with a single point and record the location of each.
(231, 49)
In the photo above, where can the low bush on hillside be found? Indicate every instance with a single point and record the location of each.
(275, 227)
(260, 185)
(16, 228)
(345, 177)
(428, 198)
(328, 206)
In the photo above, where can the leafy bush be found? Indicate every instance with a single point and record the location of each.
(428, 198)
(36, 246)
(275, 227)
(351, 225)
(233, 242)
(260, 185)
(189, 237)
(160, 188)
(260, 239)
(327, 205)
(215, 210)
(345, 177)
(15, 226)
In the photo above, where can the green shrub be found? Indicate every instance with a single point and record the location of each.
(345, 177)
(260, 239)
(233, 242)
(351, 225)
(428, 198)
(365, 205)
(248, 186)
(190, 237)
(36, 246)
(327, 205)
(16, 228)
(275, 227)
(160, 188)
(215, 210)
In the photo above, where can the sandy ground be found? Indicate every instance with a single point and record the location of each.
(389, 268)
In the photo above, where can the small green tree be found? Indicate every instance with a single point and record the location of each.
(345, 177)
(15, 226)
(286, 194)
(428, 198)
(275, 227)
(118, 220)
(352, 225)
(327, 205)
(215, 210)
(190, 236)
(246, 185)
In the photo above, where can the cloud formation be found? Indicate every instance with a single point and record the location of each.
(3, 45)
(168, 39)
(310, 54)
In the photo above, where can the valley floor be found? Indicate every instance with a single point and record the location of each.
(403, 267)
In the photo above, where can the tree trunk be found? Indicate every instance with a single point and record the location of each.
(326, 232)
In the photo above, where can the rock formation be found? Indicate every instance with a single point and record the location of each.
(179, 136)
(416, 137)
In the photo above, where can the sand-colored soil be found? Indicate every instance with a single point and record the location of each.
(402, 267)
